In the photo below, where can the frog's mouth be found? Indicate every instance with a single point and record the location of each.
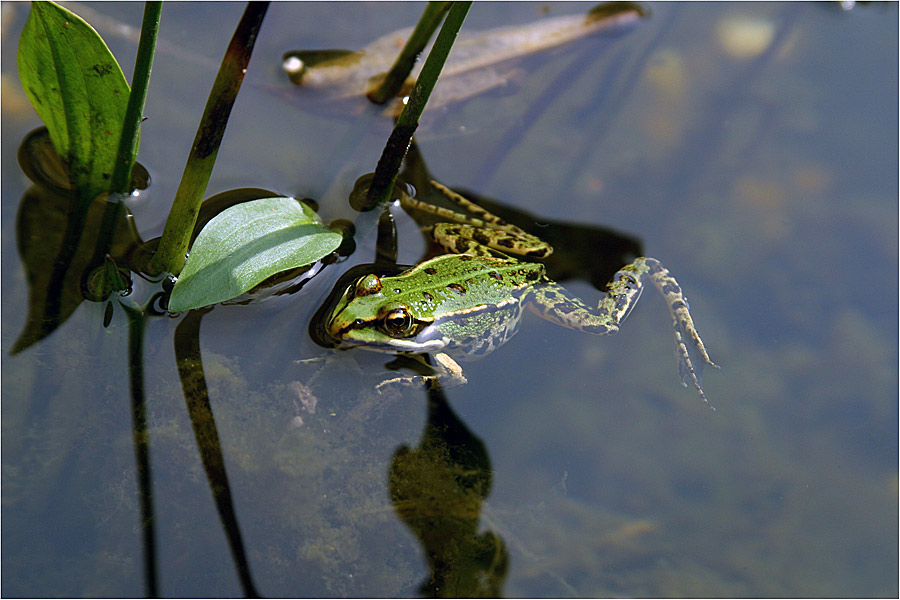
(428, 340)
(394, 346)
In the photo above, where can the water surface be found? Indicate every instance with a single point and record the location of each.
(764, 175)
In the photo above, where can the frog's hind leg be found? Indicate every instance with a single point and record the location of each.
(554, 303)
(466, 231)
(689, 348)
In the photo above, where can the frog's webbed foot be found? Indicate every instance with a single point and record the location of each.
(691, 353)
(689, 349)
(445, 373)
(407, 381)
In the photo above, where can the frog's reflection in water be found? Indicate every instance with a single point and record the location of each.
(437, 489)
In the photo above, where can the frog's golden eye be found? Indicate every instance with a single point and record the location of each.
(396, 320)
(370, 284)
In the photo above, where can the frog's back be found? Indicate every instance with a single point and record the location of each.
(476, 301)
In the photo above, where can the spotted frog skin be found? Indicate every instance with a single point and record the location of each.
(464, 305)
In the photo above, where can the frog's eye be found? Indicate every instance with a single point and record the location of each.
(396, 320)
(370, 284)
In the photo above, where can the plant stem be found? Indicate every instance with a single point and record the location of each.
(176, 235)
(140, 82)
(394, 79)
(400, 138)
(120, 182)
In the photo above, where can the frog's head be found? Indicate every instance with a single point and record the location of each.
(370, 315)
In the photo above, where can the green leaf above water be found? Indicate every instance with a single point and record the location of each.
(78, 90)
(247, 243)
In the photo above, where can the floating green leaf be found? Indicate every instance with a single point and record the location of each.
(247, 243)
(78, 90)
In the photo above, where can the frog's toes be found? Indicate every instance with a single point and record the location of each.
(387, 384)
(408, 381)
(310, 361)
(691, 370)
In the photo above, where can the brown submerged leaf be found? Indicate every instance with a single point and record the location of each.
(478, 62)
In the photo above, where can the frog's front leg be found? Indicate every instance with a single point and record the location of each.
(553, 302)
(448, 373)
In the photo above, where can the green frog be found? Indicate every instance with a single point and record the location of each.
(464, 305)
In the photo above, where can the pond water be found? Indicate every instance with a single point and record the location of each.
(752, 148)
